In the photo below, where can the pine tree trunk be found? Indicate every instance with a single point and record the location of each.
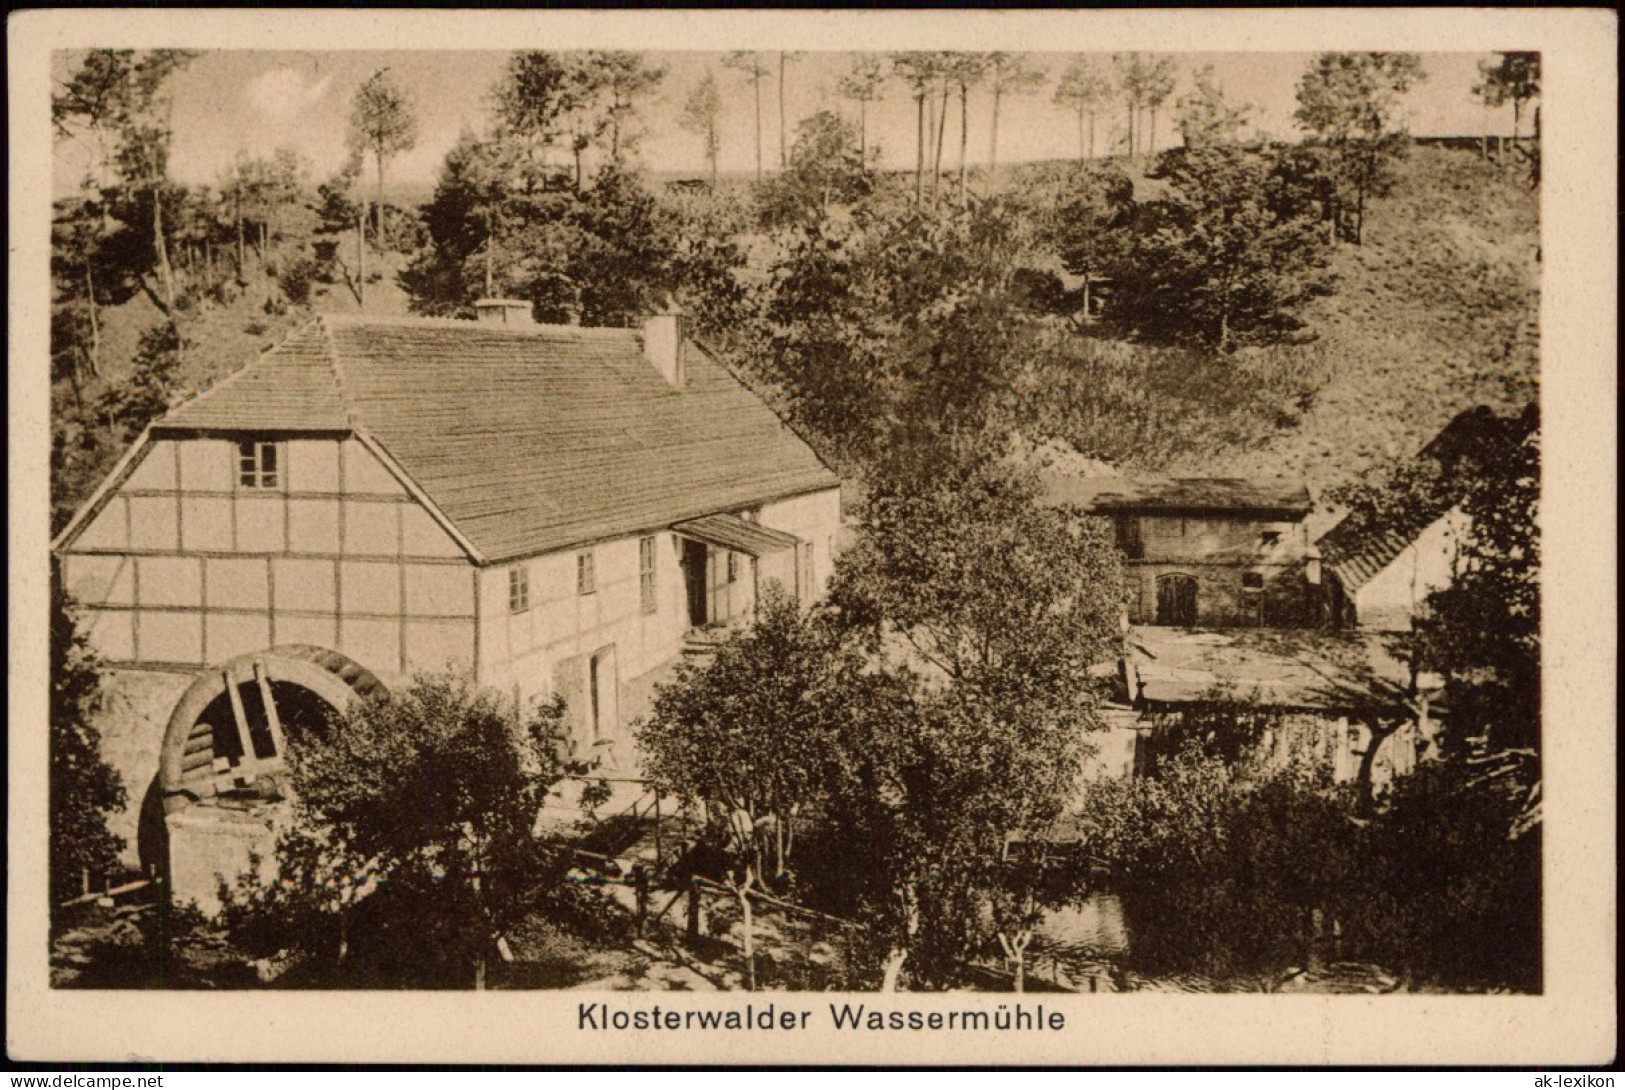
(1151, 143)
(784, 157)
(378, 206)
(1091, 134)
(361, 255)
(863, 132)
(756, 82)
(1080, 136)
(161, 249)
(919, 147)
(95, 323)
(936, 158)
(1131, 131)
(964, 137)
(993, 147)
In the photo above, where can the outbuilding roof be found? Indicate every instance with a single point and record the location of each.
(1356, 549)
(526, 439)
(1281, 497)
(1281, 668)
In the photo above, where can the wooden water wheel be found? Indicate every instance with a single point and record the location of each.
(227, 737)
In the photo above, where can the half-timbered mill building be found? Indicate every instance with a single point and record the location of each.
(552, 509)
(1208, 551)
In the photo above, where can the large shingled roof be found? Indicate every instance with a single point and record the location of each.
(526, 439)
(1280, 496)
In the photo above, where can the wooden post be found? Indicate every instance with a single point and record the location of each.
(640, 890)
(695, 910)
(271, 717)
(241, 719)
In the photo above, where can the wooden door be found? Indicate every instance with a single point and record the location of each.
(694, 580)
(1176, 600)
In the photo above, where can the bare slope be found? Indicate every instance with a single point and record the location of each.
(1436, 313)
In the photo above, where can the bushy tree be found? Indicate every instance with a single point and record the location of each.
(749, 732)
(702, 114)
(441, 847)
(84, 789)
(599, 255)
(826, 168)
(1350, 105)
(1204, 115)
(987, 609)
(154, 382)
(1232, 251)
(1084, 90)
(383, 123)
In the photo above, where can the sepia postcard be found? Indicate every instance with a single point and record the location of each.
(884, 538)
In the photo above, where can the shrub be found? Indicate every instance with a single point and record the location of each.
(410, 875)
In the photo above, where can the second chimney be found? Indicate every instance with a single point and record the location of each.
(508, 312)
(663, 344)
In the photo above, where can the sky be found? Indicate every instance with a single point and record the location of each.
(253, 101)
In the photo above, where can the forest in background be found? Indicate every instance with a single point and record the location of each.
(1267, 309)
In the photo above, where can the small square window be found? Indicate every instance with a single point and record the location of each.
(1252, 580)
(586, 578)
(1269, 538)
(257, 464)
(518, 590)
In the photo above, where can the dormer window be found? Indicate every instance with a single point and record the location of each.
(1269, 538)
(258, 464)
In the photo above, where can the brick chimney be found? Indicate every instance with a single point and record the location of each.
(664, 336)
(509, 312)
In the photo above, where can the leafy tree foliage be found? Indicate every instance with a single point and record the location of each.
(1512, 78)
(123, 92)
(826, 168)
(702, 111)
(84, 789)
(1483, 630)
(383, 123)
(598, 256)
(1350, 103)
(749, 732)
(1232, 251)
(1084, 90)
(445, 837)
(987, 608)
(153, 383)
(1205, 117)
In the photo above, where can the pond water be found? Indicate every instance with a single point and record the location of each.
(1089, 946)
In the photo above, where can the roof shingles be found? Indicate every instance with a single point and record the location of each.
(526, 439)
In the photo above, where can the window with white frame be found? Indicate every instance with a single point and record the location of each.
(586, 576)
(518, 589)
(259, 464)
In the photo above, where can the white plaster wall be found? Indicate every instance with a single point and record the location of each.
(1391, 598)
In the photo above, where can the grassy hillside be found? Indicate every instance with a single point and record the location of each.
(1436, 313)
